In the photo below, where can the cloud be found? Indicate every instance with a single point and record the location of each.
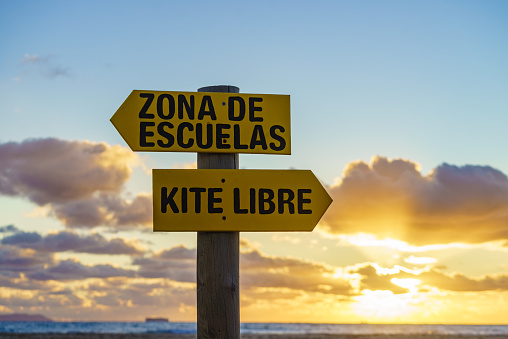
(15, 260)
(56, 71)
(22, 301)
(70, 241)
(23, 284)
(105, 209)
(80, 181)
(393, 199)
(141, 293)
(57, 171)
(24, 238)
(460, 282)
(8, 229)
(178, 253)
(29, 59)
(17, 264)
(73, 270)
(44, 65)
(114, 299)
(35, 279)
(165, 281)
(178, 263)
(258, 270)
(373, 277)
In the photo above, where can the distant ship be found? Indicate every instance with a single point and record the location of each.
(161, 320)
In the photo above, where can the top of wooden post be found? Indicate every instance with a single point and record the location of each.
(220, 88)
(219, 160)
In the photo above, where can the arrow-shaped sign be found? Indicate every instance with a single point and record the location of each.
(237, 200)
(163, 121)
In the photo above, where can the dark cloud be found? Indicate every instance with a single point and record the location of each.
(13, 259)
(105, 209)
(73, 270)
(79, 181)
(178, 253)
(16, 264)
(391, 198)
(178, 263)
(58, 171)
(158, 293)
(25, 239)
(73, 242)
(8, 229)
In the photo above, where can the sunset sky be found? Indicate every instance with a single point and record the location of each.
(400, 108)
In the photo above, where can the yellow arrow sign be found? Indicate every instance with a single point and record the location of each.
(205, 122)
(237, 200)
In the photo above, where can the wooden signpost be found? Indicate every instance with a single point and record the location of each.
(218, 200)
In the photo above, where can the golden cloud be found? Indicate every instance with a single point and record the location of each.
(373, 277)
(393, 199)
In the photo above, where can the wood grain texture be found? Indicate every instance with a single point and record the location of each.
(218, 161)
(218, 293)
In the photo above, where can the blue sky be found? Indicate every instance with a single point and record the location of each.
(418, 80)
(423, 81)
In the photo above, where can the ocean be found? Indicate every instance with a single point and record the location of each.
(251, 328)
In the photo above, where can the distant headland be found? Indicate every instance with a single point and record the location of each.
(164, 320)
(23, 317)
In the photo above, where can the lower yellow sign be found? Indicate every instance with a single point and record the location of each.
(237, 200)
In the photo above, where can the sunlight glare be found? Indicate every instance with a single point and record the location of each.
(408, 283)
(420, 260)
(370, 240)
(383, 306)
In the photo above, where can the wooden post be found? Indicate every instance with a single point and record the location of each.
(218, 293)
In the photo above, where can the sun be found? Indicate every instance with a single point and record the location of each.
(386, 307)
(382, 307)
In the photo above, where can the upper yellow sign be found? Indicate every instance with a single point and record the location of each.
(159, 121)
(237, 200)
